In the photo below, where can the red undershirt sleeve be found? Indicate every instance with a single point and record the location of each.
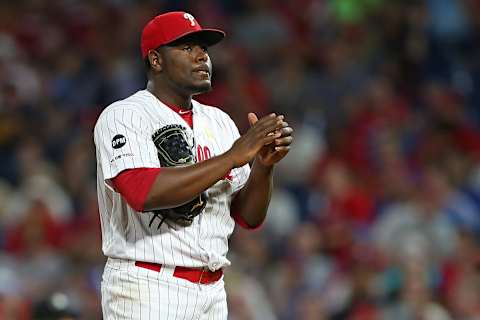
(242, 223)
(135, 184)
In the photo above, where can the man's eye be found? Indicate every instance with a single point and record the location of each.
(187, 48)
(205, 48)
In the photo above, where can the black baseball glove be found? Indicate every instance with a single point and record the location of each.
(174, 150)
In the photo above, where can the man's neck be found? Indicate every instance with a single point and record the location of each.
(169, 97)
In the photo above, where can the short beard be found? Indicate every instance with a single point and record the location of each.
(196, 90)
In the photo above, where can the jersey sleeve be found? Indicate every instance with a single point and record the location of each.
(239, 175)
(123, 141)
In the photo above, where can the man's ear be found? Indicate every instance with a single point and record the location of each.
(155, 60)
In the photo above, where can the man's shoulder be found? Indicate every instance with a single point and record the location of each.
(130, 109)
(211, 111)
(136, 102)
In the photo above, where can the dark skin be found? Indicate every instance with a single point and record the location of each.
(180, 71)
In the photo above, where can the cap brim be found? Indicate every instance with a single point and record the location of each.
(209, 36)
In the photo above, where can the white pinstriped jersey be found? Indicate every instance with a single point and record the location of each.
(123, 139)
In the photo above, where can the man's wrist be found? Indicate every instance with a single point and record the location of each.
(265, 168)
(228, 160)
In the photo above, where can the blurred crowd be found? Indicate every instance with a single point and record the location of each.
(376, 210)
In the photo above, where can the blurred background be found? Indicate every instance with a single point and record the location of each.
(376, 210)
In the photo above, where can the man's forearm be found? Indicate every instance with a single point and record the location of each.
(252, 201)
(175, 186)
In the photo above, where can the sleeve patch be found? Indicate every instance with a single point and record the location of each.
(119, 141)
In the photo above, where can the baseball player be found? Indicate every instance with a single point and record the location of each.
(173, 177)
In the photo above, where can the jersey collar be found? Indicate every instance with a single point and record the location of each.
(175, 108)
(179, 110)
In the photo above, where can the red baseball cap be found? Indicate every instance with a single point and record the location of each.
(171, 26)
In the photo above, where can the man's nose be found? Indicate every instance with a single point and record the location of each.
(201, 55)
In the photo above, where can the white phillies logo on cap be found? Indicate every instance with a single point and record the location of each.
(188, 16)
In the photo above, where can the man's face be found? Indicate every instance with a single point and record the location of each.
(187, 66)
